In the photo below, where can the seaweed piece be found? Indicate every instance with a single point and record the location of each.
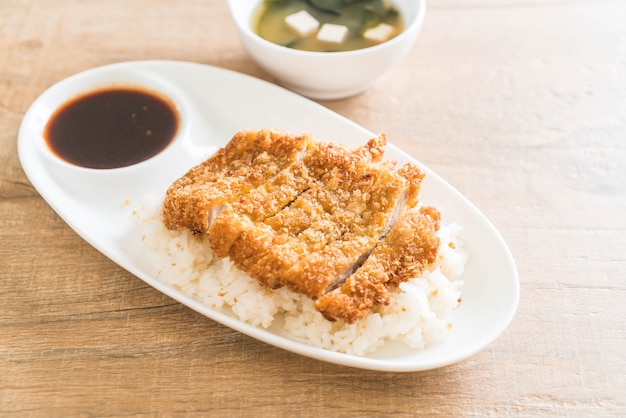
(369, 19)
(332, 7)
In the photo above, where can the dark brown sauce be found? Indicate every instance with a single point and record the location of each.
(111, 128)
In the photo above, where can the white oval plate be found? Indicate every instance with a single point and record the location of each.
(214, 104)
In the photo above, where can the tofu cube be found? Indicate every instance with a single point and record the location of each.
(302, 22)
(332, 33)
(379, 33)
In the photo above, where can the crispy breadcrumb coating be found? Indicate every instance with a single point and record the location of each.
(409, 248)
(248, 160)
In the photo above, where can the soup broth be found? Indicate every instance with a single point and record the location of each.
(356, 15)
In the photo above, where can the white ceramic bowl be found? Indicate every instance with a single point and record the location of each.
(327, 75)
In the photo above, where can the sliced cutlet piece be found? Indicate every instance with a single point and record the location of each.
(255, 206)
(330, 228)
(389, 193)
(288, 189)
(408, 249)
(250, 158)
(268, 248)
(302, 225)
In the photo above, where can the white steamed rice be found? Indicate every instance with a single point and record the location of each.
(417, 316)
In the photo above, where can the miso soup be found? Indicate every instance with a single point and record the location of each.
(354, 24)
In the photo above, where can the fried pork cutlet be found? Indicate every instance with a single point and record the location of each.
(251, 158)
(388, 194)
(317, 216)
(332, 210)
(408, 249)
(286, 202)
(320, 257)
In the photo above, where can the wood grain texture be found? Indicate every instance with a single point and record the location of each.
(520, 104)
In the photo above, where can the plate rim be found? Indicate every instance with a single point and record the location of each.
(282, 342)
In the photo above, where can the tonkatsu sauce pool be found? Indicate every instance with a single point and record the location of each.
(112, 127)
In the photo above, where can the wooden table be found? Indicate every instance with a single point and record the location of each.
(521, 105)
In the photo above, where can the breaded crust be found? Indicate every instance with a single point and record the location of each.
(324, 231)
(409, 248)
(250, 158)
(286, 193)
